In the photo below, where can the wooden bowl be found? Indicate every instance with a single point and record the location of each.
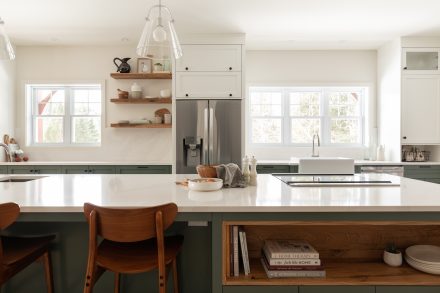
(206, 171)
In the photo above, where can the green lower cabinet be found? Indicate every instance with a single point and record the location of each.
(3, 170)
(147, 169)
(34, 169)
(102, 169)
(407, 289)
(269, 169)
(260, 289)
(337, 289)
(75, 169)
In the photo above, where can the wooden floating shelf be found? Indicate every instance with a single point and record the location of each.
(118, 125)
(117, 75)
(142, 101)
(375, 273)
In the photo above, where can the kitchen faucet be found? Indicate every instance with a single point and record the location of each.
(313, 145)
(8, 152)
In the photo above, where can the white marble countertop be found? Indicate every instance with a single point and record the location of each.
(79, 163)
(356, 162)
(67, 193)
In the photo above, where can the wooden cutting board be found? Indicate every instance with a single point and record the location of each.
(162, 112)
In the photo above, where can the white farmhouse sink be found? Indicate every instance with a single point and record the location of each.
(325, 165)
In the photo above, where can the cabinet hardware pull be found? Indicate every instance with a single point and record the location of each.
(186, 95)
(186, 68)
(405, 68)
(230, 68)
(404, 137)
(230, 95)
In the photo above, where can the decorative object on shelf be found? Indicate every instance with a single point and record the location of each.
(414, 154)
(136, 91)
(158, 67)
(6, 49)
(157, 39)
(157, 120)
(165, 93)
(392, 256)
(122, 94)
(425, 258)
(161, 113)
(144, 65)
(161, 75)
(167, 118)
(123, 66)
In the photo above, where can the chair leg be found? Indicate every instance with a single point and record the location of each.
(90, 276)
(48, 271)
(175, 281)
(117, 282)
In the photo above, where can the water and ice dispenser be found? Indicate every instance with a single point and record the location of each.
(192, 151)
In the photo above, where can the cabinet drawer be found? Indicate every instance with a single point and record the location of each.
(3, 170)
(148, 169)
(407, 289)
(102, 169)
(34, 169)
(268, 169)
(260, 289)
(208, 85)
(210, 58)
(336, 289)
(75, 170)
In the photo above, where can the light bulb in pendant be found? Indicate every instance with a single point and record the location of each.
(159, 34)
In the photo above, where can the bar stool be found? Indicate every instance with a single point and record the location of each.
(16, 253)
(133, 242)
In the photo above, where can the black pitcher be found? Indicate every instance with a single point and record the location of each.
(123, 67)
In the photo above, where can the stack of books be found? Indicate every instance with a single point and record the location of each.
(238, 249)
(290, 259)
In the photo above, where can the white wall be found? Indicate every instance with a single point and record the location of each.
(76, 64)
(7, 103)
(313, 68)
(388, 98)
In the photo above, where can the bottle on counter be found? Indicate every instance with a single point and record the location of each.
(380, 153)
(253, 174)
(245, 168)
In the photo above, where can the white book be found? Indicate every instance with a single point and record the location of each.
(236, 260)
(286, 248)
(292, 274)
(244, 253)
(291, 261)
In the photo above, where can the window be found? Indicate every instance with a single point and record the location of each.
(292, 115)
(64, 114)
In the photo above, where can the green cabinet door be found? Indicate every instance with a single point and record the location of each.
(47, 169)
(430, 173)
(76, 169)
(407, 289)
(102, 169)
(260, 289)
(144, 169)
(3, 170)
(337, 289)
(269, 169)
(14, 169)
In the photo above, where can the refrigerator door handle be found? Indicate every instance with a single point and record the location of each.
(205, 160)
(212, 160)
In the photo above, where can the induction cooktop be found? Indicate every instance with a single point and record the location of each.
(335, 180)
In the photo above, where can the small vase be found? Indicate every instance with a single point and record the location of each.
(392, 259)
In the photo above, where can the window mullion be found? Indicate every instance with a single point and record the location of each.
(286, 118)
(325, 118)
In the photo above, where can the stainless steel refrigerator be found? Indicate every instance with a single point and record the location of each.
(208, 132)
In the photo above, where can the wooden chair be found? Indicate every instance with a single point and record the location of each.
(16, 253)
(133, 242)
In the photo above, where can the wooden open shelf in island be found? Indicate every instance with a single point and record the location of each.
(117, 75)
(118, 125)
(351, 252)
(142, 101)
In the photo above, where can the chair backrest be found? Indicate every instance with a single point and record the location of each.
(9, 212)
(129, 224)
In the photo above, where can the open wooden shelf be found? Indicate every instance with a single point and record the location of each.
(152, 125)
(142, 101)
(351, 251)
(117, 75)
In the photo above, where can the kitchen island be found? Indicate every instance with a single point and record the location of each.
(345, 223)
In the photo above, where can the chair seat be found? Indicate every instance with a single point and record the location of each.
(135, 257)
(18, 250)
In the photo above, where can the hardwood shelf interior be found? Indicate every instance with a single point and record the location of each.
(351, 252)
(117, 75)
(142, 101)
(152, 125)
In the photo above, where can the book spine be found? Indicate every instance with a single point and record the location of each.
(244, 253)
(281, 255)
(292, 274)
(294, 261)
(236, 260)
(247, 253)
(231, 251)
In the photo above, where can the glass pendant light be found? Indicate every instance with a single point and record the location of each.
(159, 38)
(6, 49)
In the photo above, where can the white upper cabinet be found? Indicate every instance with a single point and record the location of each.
(206, 85)
(207, 58)
(420, 60)
(420, 109)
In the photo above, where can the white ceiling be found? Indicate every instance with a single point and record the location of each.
(268, 24)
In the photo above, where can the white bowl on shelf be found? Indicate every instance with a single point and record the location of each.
(205, 184)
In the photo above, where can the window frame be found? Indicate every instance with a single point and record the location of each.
(325, 118)
(68, 116)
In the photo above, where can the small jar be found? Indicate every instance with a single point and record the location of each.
(392, 259)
